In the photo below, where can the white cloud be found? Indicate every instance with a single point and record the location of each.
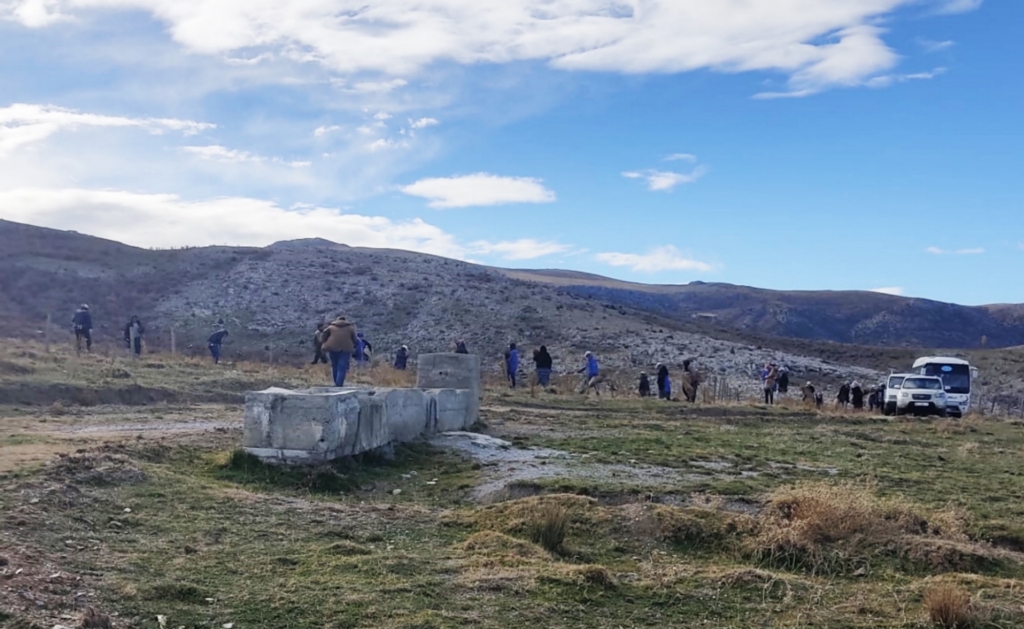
(955, 252)
(524, 249)
(666, 181)
(889, 290)
(383, 144)
(889, 79)
(325, 130)
(382, 116)
(666, 258)
(817, 44)
(422, 123)
(378, 87)
(935, 46)
(23, 124)
(681, 157)
(479, 189)
(166, 220)
(217, 153)
(958, 6)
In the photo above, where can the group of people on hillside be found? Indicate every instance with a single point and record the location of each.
(689, 382)
(82, 326)
(544, 365)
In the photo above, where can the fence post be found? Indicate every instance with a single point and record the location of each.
(46, 333)
(172, 342)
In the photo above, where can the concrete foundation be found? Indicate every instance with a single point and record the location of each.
(326, 423)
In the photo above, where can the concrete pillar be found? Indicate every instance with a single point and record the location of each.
(451, 371)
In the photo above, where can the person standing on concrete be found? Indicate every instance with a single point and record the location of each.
(645, 385)
(82, 324)
(402, 358)
(216, 340)
(318, 352)
(591, 374)
(460, 346)
(511, 364)
(133, 335)
(340, 341)
(543, 363)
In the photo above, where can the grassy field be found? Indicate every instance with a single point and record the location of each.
(639, 514)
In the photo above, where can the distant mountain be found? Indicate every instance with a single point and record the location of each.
(272, 298)
(863, 318)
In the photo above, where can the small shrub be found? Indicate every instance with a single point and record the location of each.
(550, 527)
(93, 619)
(950, 607)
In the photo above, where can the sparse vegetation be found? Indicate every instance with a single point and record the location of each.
(950, 607)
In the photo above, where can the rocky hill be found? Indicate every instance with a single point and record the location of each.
(271, 298)
(841, 316)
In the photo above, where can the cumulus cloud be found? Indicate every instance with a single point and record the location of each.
(479, 189)
(666, 258)
(889, 290)
(817, 44)
(23, 124)
(523, 249)
(955, 252)
(167, 220)
(422, 123)
(665, 181)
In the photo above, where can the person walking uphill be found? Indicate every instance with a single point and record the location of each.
(591, 374)
(543, 362)
(133, 335)
(318, 342)
(216, 340)
(664, 383)
(511, 364)
(770, 375)
(340, 342)
(402, 358)
(82, 323)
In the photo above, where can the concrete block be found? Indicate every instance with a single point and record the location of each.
(451, 371)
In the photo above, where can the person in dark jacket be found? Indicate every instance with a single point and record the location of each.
(82, 322)
(460, 347)
(511, 364)
(216, 340)
(133, 335)
(363, 351)
(691, 376)
(857, 396)
(543, 362)
(843, 399)
(784, 382)
(318, 344)
(664, 383)
(645, 385)
(402, 358)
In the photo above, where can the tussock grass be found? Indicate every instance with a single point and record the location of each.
(550, 526)
(839, 527)
(950, 607)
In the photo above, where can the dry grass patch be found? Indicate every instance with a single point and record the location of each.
(950, 607)
(836, 528)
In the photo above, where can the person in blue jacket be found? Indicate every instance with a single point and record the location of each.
(664, 383)
(363, 350)
(216, 340)
(82, 322)
(592, 374)
(512, 364)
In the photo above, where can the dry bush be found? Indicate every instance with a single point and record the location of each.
(830, 528)
(92, 619)
(550, 526)
(950, 607)
(701, 529)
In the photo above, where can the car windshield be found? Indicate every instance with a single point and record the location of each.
(933, 384)
(956, 378)
(896, 382)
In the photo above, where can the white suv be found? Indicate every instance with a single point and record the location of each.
(921, 395)
(892, 392)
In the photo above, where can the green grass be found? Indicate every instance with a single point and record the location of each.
(213, 536)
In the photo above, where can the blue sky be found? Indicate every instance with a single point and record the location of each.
(791, 144)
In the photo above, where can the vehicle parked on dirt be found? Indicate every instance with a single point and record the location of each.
(921, 395)
(892, 391)
(957, 377)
